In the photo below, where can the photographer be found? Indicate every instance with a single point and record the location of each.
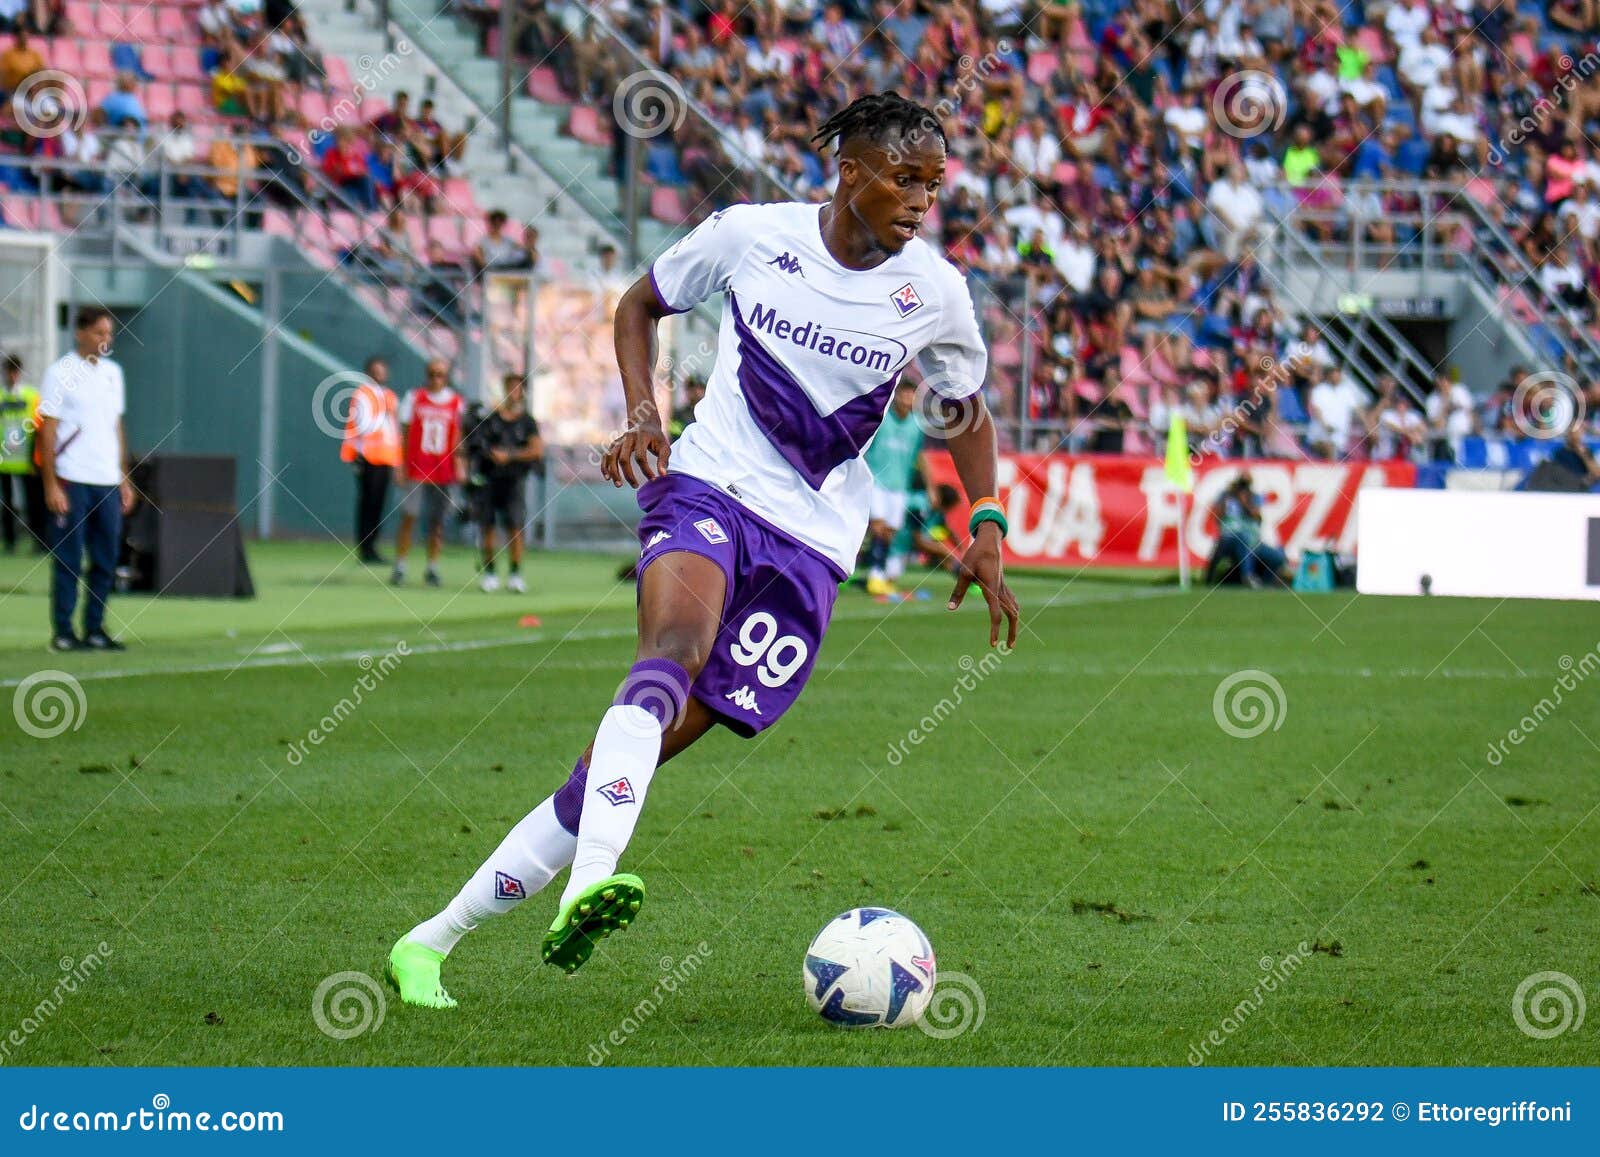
(1238, 515)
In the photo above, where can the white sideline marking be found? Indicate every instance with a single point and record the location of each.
(301, 658)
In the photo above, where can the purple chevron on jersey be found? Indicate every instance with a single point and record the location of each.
(814, 444)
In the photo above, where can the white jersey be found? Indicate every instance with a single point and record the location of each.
(807, 359)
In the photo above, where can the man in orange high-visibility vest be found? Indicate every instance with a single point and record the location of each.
(372, 443)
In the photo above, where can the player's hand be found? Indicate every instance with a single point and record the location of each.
(128, 496)
(55, 498)
(643, 446)
(981, 565)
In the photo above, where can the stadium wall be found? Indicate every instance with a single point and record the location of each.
(194, 360)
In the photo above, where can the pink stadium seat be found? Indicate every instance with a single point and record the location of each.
(94, 58)
(473, 230)
(585, 125)
(97, 91)
(186, 63)
(157, 61)
(66, 55)
(22, 212)
(545, 88)
(1040, 66)
(446, 231)
(135, 24)
(343, 228)
(277, 224)
(1066, 173)
(175, 25)
(458, 196)
(338, 72)
(1078, 35)
(159, 101)
(953, 168)
(667, 205)
(313, 106)
(195, 101)
(81, 15)
(1137, 402)
(417, 234)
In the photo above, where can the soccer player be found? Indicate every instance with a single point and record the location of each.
(435, 460)
(510, 444)
(753, 517)
(893, 458)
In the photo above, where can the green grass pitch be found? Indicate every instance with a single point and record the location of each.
(1079, 835)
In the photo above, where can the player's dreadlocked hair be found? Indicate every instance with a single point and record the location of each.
(881, 117)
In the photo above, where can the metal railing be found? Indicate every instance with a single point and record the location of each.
(1364, 341)
(1492, 258)
(184, 214)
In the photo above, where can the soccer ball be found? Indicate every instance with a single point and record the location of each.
(870, 966)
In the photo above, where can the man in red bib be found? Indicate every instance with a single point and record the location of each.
(435, 460)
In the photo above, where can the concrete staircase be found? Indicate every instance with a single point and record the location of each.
(545, 178)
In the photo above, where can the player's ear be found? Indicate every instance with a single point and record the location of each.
(849, 172)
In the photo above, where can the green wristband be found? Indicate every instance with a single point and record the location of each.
(987, 514)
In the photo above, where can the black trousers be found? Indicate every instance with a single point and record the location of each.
(19, 491)
(372, 490)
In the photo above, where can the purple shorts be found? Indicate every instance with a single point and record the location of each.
(780, 596)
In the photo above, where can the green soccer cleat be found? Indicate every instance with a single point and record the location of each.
(593, 914)
(413, 972)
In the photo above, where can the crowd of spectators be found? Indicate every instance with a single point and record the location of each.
(1114, 162)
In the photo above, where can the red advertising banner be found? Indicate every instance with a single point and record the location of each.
(1073, 510)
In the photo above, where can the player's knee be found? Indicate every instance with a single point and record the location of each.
(684, 647)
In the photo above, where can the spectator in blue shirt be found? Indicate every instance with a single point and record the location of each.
(123, 105)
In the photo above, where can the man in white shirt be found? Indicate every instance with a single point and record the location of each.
(1405, 22)
(1036, 150)
(1236, 208)
(82, 458)
(1334, 403)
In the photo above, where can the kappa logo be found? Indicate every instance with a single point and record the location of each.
(712, 530)
(508, 887)
(744, 697)
(906, 300)
(618, 791)
(658, 538)
(788, 264)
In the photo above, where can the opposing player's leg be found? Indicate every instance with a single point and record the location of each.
(681, 596)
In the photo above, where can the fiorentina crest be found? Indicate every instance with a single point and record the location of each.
(906, 300)
(618, 791)
(508, 887)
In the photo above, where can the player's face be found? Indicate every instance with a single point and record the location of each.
(894, 189)
(904, 399)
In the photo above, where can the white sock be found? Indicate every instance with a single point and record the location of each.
(876, 574)
(526, 860)
(626, 749)
(896, 567)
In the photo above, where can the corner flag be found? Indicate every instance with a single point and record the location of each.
(1179, 472)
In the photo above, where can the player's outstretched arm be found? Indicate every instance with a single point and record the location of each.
(972, 448)
(643, 445)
